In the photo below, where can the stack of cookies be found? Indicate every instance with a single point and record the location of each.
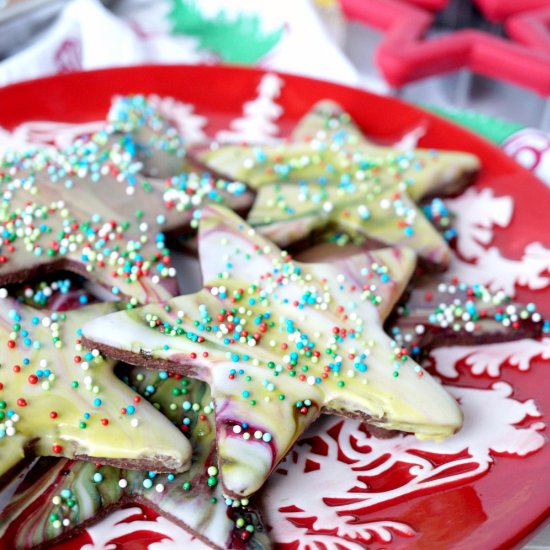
(323, 284)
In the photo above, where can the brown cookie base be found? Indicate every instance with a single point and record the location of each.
(63, 264)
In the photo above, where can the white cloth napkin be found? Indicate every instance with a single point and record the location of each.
(87, 36)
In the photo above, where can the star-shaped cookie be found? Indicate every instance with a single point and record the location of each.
(58, 399)
(331, 177)
(87, 209)
(159, 146)
(61, 497)
(444, 312)
(279, 342)
(438, 310)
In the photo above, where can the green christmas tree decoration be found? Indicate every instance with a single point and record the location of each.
(239, 39)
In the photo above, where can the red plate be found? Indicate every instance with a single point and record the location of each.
(347, 490)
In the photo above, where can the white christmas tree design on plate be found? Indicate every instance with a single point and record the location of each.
(258, 122)
(182, 116)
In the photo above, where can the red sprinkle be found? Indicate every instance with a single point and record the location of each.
(33, 379)
(57, 449)
(53, 415)
(22, 402)
(104, 421)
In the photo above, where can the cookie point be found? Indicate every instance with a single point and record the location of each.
(244, 465)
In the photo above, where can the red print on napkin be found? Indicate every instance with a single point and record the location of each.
(68, 56)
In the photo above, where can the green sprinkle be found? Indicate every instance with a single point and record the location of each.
(212, 481)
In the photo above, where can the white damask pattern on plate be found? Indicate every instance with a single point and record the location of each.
(490, 358)
(304, 484)
(119, 524)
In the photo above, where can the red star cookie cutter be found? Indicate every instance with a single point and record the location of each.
(405, 55)
(531, 28)
(429, 4)
(500, 10)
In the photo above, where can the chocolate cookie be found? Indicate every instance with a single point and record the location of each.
(58, 399)
(89, 209)
(331, 177)
(59, 498)
(279, 342)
